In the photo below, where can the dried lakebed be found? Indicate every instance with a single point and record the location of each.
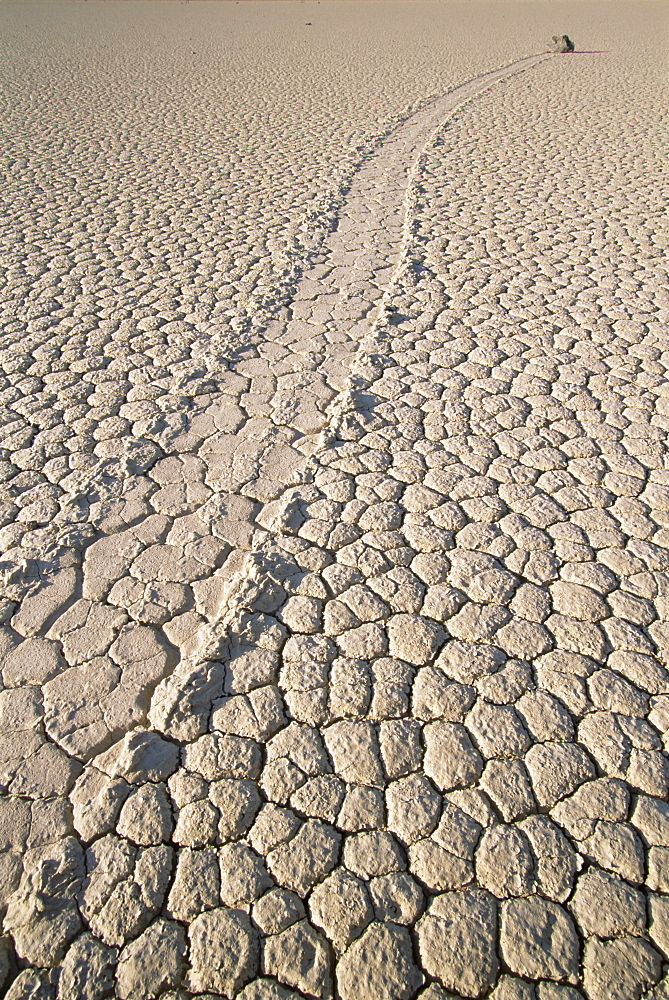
(342, 671)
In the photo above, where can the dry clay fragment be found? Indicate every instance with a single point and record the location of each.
(139, 757)
(379, 965)
(152, 962)
(87, 972)
(223, 952)
(299, 957)
(621, 969)
(456, 938)
(342, 907)
(538, 939)
(307, 858)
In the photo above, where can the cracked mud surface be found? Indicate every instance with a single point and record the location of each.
(335, 514)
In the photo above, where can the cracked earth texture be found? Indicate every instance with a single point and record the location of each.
(335, 515)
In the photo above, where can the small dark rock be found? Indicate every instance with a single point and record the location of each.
(561, 43)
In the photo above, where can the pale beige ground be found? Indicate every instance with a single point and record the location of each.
(336, 502)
